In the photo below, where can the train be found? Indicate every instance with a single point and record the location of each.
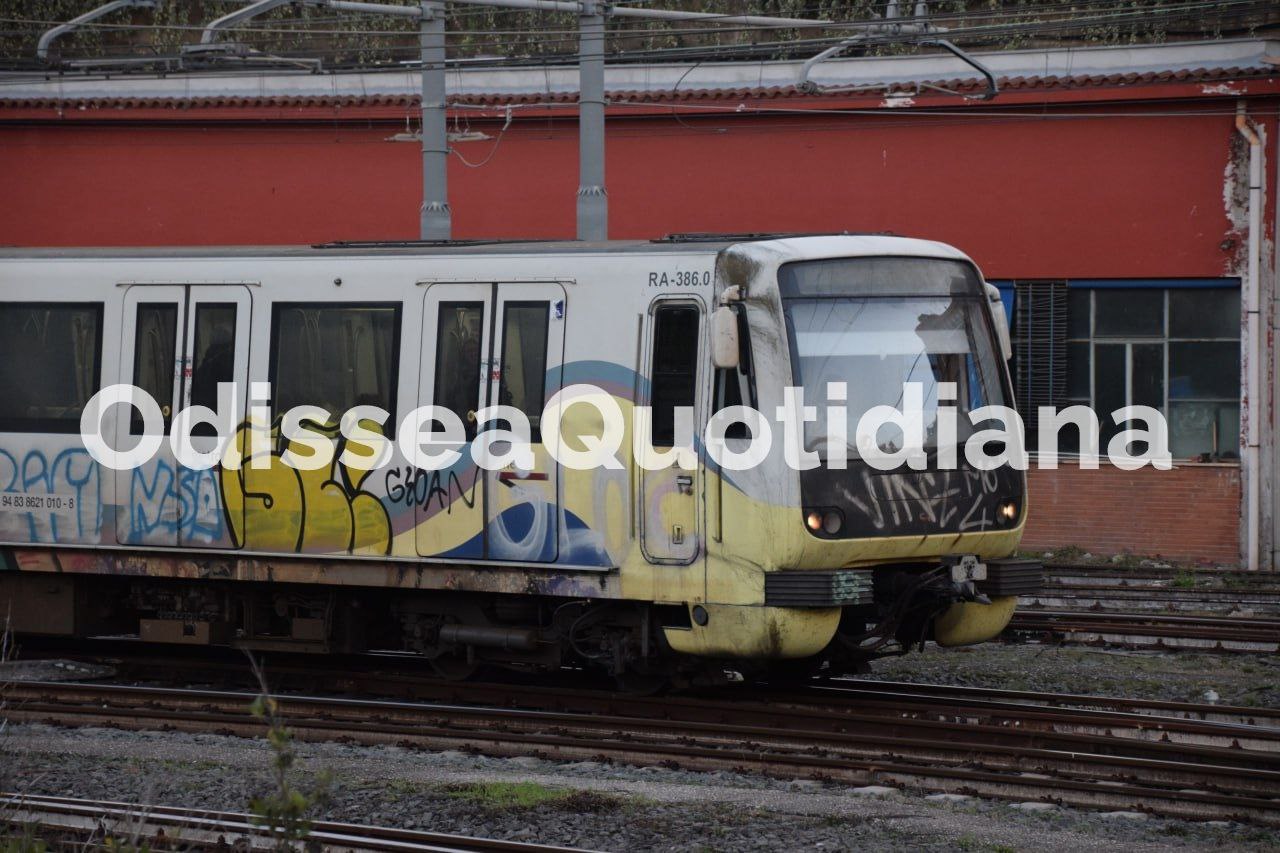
(682, 571)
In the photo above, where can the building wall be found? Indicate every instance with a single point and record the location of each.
(1189, 513)
(1095, 192)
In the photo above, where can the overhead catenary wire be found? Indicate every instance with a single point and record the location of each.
(306, 26)
(699, 54)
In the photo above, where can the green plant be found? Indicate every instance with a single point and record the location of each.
(526, 795)
(284, 811)
(22, 840)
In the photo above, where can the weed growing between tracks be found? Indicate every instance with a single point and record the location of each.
(498, 796)
(13, 839)
(284, 811)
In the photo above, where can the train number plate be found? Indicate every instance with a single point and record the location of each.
(36, 502)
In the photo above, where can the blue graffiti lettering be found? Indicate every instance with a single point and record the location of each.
(186, 502)
(71, 475)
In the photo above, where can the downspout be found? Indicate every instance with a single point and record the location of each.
(1253, 342)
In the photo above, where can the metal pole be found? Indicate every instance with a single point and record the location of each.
(435, 221)
(593, 201)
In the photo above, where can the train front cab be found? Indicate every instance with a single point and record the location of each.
(843, 564)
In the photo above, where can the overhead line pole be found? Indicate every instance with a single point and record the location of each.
(593, 200)
(435, 219)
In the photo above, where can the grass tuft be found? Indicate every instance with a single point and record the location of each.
(527, 795)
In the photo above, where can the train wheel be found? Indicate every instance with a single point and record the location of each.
(454, 669)
(641, 683)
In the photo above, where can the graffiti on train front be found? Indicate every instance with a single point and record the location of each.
(944, 500)
(49, 497)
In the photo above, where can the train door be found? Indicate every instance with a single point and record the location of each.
(669, 520)
(489, 344)
(216, 350)
(177, 343)
(522, 505)
(449, 507)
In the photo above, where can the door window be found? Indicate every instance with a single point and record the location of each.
(524, 360)
(458, 343)
(675, 369)
(153, 358)
(213, 356)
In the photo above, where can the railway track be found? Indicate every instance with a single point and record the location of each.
(1155, 609)
(1148, 630)
(1214, 763)
(67, 823)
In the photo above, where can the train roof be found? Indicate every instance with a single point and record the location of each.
(861, 244)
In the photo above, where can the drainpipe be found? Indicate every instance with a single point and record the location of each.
(1253, 343)
(1270, 445)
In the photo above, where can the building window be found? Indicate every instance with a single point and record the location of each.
(1175, 349)
(335, 355)
(50, 364)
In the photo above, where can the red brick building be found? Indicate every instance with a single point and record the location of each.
(1107, 190)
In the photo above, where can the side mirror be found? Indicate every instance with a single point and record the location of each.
(1000, 320)
(724, 338)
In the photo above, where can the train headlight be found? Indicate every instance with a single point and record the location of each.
(832, 521)
(1008, 511)
(825, 521)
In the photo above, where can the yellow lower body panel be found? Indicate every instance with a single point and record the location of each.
(736, 631)
(969, 622)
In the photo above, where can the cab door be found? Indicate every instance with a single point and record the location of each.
(670, 531)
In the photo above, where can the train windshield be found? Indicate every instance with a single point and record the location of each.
(877, 323)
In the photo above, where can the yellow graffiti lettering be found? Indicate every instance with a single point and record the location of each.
(278, 508)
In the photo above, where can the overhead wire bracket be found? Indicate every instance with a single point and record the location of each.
(49, 36)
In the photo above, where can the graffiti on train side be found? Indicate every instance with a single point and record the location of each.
(412, 487)
(946, 500)
(164, 499)
(277, 507)
(50, 500)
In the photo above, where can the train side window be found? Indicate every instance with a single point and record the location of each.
(335, 355)
(524, 360)
(213, 356)
(459, 333)
(673, 379)
(154, 351)
(50, 364)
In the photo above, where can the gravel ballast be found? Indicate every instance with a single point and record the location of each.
(585, 804)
